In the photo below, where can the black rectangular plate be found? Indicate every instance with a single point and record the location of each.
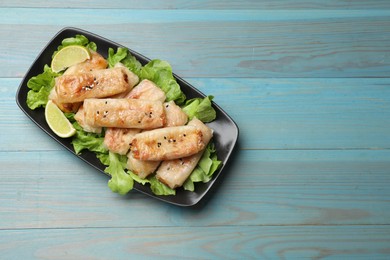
(225, 129)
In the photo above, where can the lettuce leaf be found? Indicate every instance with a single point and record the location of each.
(37, 99)
(77, 40)
(160, 72)
(113, 58)
(160, 188)
(120, 181)
(137, 178)
(123, 56)
(45, 79)
(205, 169)
(200, 108)
(40, 87)
(88, 141)
(157, 187)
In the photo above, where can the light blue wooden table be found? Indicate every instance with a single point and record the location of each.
(307, 83)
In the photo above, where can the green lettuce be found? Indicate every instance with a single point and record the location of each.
(160, 188)
(77, 40)
(115, 57)
(123, 56)
(160, 72)
(88, 141)
(37, 99)
(137, 178)
(205, 169)
(157, 187)
(40, 87)
(120, 181)
(200, 108)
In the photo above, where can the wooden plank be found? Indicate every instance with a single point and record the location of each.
(306, 113)
(271, 113)
(213, 4)
(171, 16)
(279, 187)
(339, 242)
(225, 43)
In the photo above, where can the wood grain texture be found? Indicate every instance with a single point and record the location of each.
(347, 242)
(57, 190)
(204, 4)
(235, 43)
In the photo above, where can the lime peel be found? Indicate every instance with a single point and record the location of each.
(57, 121)
(69, 56)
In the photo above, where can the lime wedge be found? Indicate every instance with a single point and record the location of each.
(57, 121)
(69, 56)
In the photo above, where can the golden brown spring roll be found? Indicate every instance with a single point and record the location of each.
(174, 117)
(80, 118)
(175, 172)
(95, 84)
(140, 167)
(117, 145)
(167, 143)
(65, 107)
(118, 140)
(96, 62)
(146, 89)
(133, 80)
(174, 114)
(124, 113)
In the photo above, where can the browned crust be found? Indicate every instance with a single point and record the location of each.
(77, 87)
(167, 146)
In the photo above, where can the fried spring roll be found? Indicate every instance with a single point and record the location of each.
(175, 117)
(80, 118)
(95, 84)
(118, 140)
(96, 62)
(167, 143)
(174, 173)
(146, 89)
(121, 143)
(142, 168)
(65, 107)
(174, 114)
(124, 113)
(133, 80)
